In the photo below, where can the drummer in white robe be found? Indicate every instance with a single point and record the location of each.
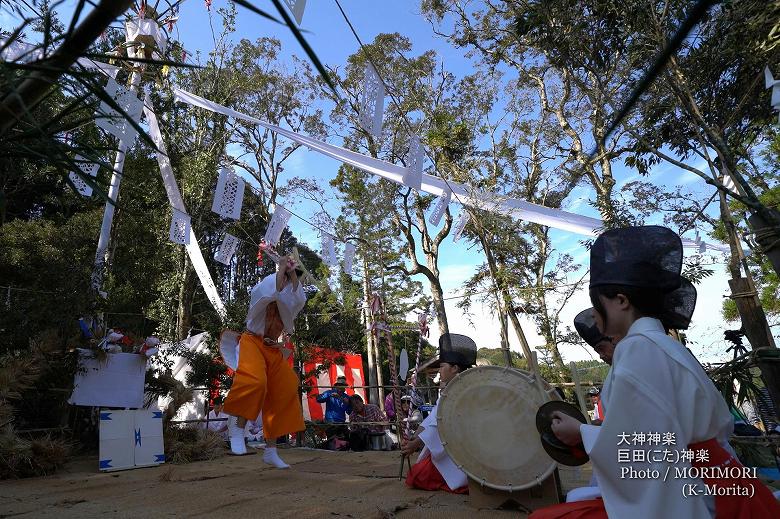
(434, 469)
(655, 387)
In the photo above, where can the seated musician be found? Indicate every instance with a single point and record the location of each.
(434, 469)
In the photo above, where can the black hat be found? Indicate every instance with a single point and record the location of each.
(647, 256)
(455, 348)
(679, 306)
(585, 324)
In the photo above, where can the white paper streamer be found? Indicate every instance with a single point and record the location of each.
(516, 208)
(19, 51)
(174, 197)
(88, 170)
(26, 53)
(349, 258)
(227, 249)
(413, 175)
(229, 195)
(460, 224)
(115, 123)
(277, 224)
(328, 250)
(372, 102)
(180, 228)
(296, 8)
(440, 207)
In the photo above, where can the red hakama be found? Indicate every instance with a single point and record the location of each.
(425, 476)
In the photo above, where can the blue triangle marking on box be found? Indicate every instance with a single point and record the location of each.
(159, 458)
(138, 437)
(157, 414)
(105, 464)
(105, 416)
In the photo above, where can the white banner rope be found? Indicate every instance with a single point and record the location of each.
(513, 207)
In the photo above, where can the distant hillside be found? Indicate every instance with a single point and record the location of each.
(590, 370)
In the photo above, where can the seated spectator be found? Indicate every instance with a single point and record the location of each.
(361, 412)
(390, 407)
(414, 420)
(219, 423)
(337, 406)
(598, 408)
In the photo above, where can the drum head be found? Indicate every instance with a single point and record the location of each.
(559, 451)
(486, 419)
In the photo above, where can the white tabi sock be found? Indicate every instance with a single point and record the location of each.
(237, 443)
(271, 457)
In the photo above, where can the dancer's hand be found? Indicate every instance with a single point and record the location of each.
(409, 447)
(566, 428)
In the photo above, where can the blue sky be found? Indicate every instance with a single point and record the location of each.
(333, 41)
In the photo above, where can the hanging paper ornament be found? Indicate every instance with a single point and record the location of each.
(413, 175)
(87, 170)
(328, 250)
(349, 258)
(372, 103)
(227, 249)
(729, 184)
(264, 247)
(774, 84)
(115, 123)
(460, 224)
(229, 195)
(422, 321)
(440, 207)
(403, 363)
(277, 225)
(296, 8)
(180, 227)
(375, 305)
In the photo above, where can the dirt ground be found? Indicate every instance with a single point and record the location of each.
(320, 484)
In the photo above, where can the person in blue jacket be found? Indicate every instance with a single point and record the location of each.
(337, 402)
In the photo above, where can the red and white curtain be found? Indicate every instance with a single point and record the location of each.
(351, 368)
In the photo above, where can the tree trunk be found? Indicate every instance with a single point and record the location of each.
(438, 303)
(504, 335)
(186, 297)
(373, 392)
(743, 289)
(506, 301)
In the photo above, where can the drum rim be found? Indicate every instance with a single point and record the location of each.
(537, 480)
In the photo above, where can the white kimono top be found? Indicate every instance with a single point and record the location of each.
(453, 476)
(654, 386)
(288, 301)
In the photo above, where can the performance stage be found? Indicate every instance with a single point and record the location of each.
(320, 484)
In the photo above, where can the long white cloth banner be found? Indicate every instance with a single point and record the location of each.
(513, 207)
(174, 197)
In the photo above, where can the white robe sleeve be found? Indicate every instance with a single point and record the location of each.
(650, 391)
(453, 476)
(290, 302)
